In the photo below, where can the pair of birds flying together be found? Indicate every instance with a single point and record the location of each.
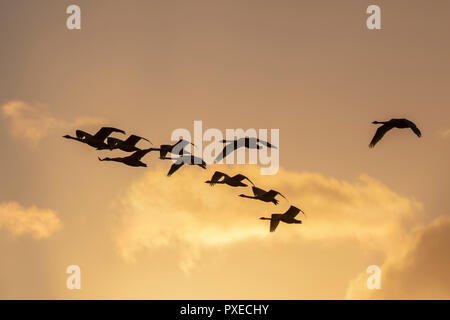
(258, 194)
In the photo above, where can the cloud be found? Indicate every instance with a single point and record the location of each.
(33, 122)
(420, 272)
(17, 220)
(184, 212)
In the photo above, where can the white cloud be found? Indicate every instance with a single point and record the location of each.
(17, 220)
(184, 212)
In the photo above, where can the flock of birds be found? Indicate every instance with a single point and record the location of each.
(102, 141)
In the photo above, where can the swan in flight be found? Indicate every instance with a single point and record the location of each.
(133, 160)
(128, 145)
(266, 196)
(393, 123)
(247, 142)
(235, 181)
(287, 217)
(176, 149)
(97, 140)
(188, 159)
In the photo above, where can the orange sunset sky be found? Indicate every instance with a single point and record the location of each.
(311, 69)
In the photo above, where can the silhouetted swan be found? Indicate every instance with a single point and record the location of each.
(188, 159)
(287, 217)
(133, 160)
(235, 181)
(128, 145)
(247, 142)
(266, 196)
(176, 149)
(393, 123)
(97, 140)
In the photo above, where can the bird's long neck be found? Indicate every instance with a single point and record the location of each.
(379, 122)
(245, 196)
(264, 218)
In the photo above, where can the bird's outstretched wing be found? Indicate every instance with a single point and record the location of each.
(267, 144)
(229, 148)
(414, 128)
(178, 148)
(379, 134)
(241, 177)
(105, 132)
(273, 193)
(257, 191)
(216, 177)
(133, 139)
(177, 165)
(292, 212)
(137, 155)
(274, 221)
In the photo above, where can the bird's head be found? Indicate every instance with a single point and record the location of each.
(67, 136)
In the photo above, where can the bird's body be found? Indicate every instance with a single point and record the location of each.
(96, 141)
(287, 217)
(133, 160)
(128, 145)
(246, 142)
(186, 159)
(266, 196)
(393, 123)
(175, 149)
(235, 181)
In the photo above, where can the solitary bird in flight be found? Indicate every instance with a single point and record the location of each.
(393, 123)
(133, 160)
(287, 217)
(266, 196)
(247, 142)
(235, 181)
(128, 145)
(97, 140)
(179, 162)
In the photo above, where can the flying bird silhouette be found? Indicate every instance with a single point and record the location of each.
(188, 159)
(287, 217)
(133, 160)
(175, 149)
(388, 125)
(235, 181)
(97, 140)
(266, 196)
(247, 142)
(128, 145)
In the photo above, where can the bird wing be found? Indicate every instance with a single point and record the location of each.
(133, 139)
(139, 154)
(241, 177)
(273, 193)
(274, 221)
(177, 165)
(414, 128)
(267, 144)
(257, 191)
(106, 131)
(379, 134)
(292, 212)
(217, 175)
(229, 148)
